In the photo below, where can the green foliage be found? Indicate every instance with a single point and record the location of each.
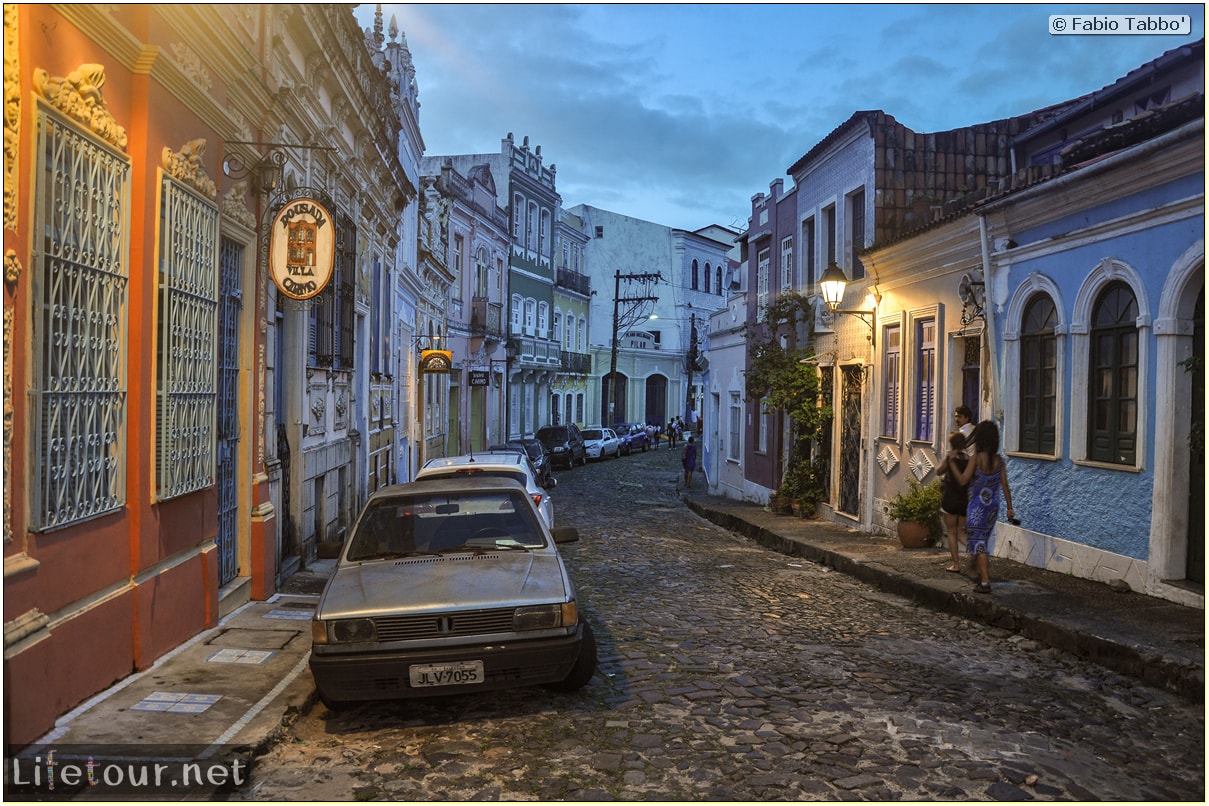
(778, 378)
(919, 503)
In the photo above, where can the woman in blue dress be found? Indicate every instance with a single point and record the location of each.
(987, 477)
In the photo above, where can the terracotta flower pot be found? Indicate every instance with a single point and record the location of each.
(914, 535)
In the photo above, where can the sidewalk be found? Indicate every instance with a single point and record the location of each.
(226, 694)
(1159, 642)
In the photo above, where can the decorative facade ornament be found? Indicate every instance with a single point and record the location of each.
(78, 96)
(187, 166)
(318, 410)
(8, 415)
(888, 460)
(234, 205)
(12, 116)
(191, 65)
(920, 465)
(12, 270)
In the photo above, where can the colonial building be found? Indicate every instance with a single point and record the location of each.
(180, 433)
(651, 284)
(476, 244)
(572, 309)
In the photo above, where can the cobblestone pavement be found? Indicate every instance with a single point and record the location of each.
(729, 672)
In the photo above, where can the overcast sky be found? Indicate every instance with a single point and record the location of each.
(679, 114)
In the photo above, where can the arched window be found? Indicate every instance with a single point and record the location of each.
(718, 280)
(705, 283)
(695, 281)
(543, 319)
(556, 332)
(1113, 383)
(1039, 376)
(530, 315)
(481, 267)
(531, 227)
(517, 307)
(569, 339)
(518, 217)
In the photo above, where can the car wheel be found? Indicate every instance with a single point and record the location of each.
(585, 665)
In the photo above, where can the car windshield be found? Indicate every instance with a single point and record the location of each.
(477, 472)
(404, 526)
(593, 433)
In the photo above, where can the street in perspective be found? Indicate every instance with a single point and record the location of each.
(728, 671)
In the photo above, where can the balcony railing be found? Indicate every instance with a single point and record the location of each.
(573, 281)
(534, 351)
(577, 363)
(486, 317)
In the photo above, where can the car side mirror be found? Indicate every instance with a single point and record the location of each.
(566, 534)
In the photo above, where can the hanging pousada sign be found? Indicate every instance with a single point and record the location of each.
(436, 360)
(302, 248)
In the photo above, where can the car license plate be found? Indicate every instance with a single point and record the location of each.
(446, 674)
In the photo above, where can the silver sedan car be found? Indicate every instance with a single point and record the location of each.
(447, 586)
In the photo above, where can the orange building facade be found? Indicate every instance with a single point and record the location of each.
(143, 343)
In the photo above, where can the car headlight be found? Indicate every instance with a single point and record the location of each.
(545, 617)
(344, 631)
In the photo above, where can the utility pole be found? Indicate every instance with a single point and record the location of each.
(625, 319)
(690, 364)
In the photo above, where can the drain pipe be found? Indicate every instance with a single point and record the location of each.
(990, 346)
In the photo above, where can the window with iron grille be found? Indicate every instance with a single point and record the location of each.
(81, 270)
(1112, 432)
(761, 284)
(187, 342)
(787, 263)
(735, 446)
(1038, 376)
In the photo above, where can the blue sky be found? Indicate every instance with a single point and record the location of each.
(679, 114)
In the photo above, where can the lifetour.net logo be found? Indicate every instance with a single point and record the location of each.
(59, 772)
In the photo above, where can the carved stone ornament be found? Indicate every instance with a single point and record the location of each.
(78, 96)
(920, 465)
(191, 65)
(12, 114)
(12, 268)
(887, 459)
(187, 166)
(234, 205)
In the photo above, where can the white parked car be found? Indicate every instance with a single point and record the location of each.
(601, 443)
(495, 463)
(446, 586)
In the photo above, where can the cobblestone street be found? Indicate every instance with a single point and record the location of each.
(730, 672)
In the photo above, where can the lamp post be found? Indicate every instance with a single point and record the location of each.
(832, 284)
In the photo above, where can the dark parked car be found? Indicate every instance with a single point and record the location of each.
(565, 443)
(633, 438)
(537, 453)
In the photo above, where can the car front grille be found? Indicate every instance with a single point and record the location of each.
(444, 625)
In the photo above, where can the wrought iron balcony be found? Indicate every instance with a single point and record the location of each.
(577, 363)
(573, 281)
(486, 317)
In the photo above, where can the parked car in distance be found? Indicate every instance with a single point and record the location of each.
(601, 443)
(565, 442)
(502, 464)
(447, 586)
(538, 455)
(633, 438)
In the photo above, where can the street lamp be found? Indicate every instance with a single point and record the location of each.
(832, 284)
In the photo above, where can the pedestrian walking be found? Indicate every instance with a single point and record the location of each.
(688, 458)
(965, 424)
(954, 497)
(987, 477)
(671, 432)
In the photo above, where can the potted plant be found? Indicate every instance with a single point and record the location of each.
(917, 510)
